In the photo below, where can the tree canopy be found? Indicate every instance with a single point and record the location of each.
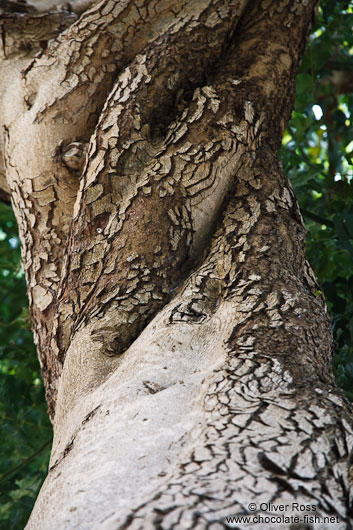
(317, 155)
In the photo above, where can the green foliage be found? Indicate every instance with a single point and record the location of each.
(317, 155)
(25, 427)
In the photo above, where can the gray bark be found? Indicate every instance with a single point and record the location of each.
(184, 343)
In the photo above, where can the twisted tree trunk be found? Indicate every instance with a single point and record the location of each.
(184, 343)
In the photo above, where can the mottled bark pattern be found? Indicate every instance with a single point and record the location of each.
(264, 442)
(172, 304)
(139, 182)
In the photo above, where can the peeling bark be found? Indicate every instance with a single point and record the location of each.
(172, 305)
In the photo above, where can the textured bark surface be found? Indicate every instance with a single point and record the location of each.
(184, 343)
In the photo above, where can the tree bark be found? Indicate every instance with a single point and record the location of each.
(184, 343)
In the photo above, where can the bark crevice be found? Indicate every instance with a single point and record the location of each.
(173, 308)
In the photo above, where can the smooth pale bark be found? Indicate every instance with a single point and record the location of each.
(184, 342)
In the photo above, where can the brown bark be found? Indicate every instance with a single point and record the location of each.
(152, 206)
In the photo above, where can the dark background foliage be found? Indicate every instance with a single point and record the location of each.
(25, 428)
(317, 155)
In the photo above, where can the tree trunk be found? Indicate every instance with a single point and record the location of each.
(184, 343)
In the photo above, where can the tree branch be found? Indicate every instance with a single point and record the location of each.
(139, 155)
(57, 102)
(116, 278)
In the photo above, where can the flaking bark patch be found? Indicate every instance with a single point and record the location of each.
(170, 257)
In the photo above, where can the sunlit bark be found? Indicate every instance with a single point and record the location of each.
(184, 342)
